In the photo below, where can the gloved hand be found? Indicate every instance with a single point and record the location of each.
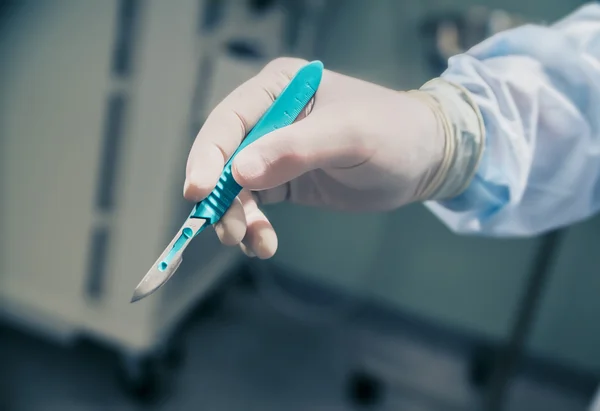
(357, 147)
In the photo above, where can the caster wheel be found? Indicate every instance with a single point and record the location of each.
(145, 379)
(481, 367)
(365, 389)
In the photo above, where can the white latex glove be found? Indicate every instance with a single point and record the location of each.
(359, 147)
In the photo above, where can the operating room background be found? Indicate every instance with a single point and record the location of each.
(406, 263)
(418, 265)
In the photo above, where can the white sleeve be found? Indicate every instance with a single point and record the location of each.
(538, 90)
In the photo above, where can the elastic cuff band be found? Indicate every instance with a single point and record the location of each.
(465, 137)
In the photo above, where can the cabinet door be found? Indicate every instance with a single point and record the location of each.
(151, 164)
(55, 58)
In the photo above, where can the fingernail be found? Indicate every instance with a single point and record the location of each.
(267, 245)
(192, 187)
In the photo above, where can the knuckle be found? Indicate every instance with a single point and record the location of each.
(292, 158)
(277, 74)
(361, 143)
(284, 65)
(239, 119)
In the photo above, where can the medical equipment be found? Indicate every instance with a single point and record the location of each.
(115, 135)
(282, 113)
(449, 33)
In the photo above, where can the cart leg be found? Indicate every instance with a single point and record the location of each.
(481, 366)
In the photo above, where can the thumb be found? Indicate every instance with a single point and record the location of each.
(317, 141)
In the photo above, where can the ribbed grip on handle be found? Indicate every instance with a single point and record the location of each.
(213, 207)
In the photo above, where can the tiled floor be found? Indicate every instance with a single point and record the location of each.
(247, 356)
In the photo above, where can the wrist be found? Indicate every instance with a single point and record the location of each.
(460, 122)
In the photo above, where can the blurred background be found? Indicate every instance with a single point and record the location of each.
(99, 104)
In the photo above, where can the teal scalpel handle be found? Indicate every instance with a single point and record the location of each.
(283, 112)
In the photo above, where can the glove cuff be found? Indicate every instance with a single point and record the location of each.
(464, 133)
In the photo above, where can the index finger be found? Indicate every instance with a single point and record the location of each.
(229, 123)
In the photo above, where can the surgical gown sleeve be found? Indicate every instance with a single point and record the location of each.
(538, 91)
